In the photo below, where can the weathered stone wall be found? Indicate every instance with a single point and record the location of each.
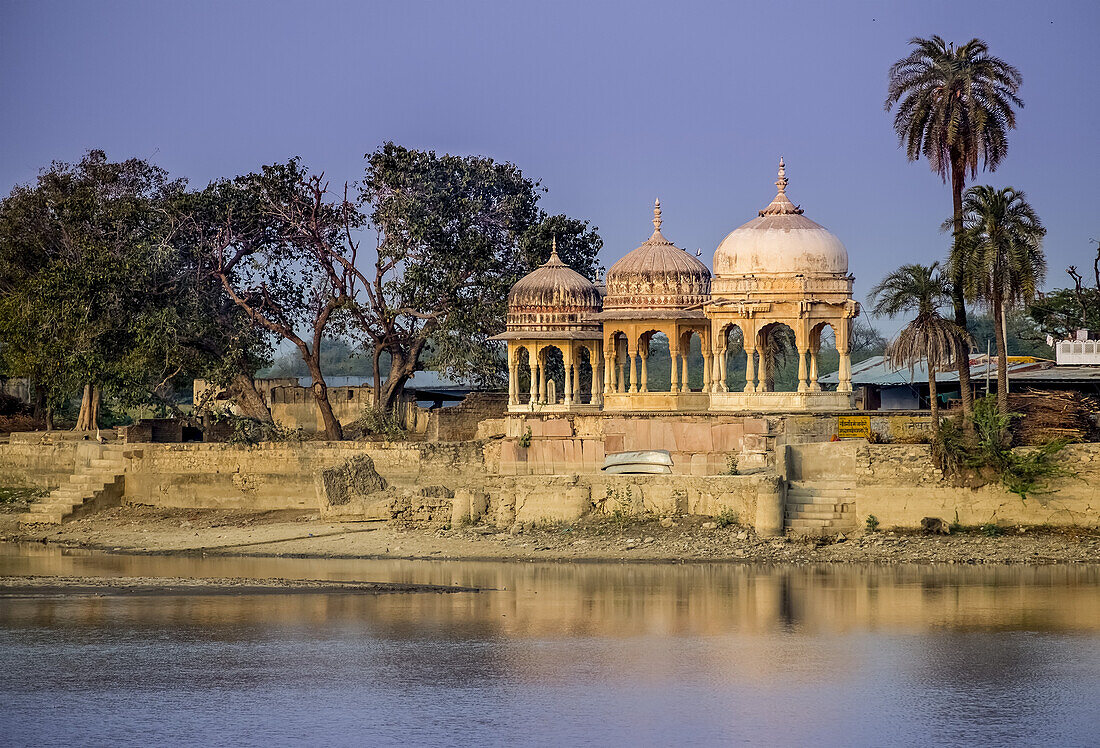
(282, 475)
(38, 459)
(460, 422)
(564, 498)
(899, 484)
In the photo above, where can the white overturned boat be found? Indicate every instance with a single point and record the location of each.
(651, 461)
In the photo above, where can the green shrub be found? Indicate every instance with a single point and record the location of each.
(987, 449)
(871, 523)
(726, 518)
(991, 530)
(373, 422)
(525, 439)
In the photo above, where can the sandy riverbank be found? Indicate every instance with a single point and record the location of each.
(683, 539)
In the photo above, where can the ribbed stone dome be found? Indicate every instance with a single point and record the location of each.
(657, 275)
(782, 241)
(552, 296)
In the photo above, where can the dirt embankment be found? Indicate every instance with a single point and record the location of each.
(672, 539)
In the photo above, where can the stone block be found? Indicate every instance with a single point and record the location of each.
(755, 426)
(755, 443)
(692, 436)
(699, 464)
(556, 427)
(613, 443)
(727, 437)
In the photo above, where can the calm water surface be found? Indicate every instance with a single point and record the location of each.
(556, 654)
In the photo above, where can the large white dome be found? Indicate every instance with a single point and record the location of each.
(780, 240)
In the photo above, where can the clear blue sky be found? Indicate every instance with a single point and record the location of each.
(609, 104)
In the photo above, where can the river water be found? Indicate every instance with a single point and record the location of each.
(555, 654)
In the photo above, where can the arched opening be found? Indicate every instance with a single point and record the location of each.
(735, 362)
(551, 375)
(584, 375)
(692, 365)
(778, 358)
(655, 361)
(824, 358)
(521, 358)
(618, 374)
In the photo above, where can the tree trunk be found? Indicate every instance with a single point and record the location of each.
(376, 370)
(962, 350)
(1002, 353)
(88, 418)
(249, 400)
(333, 430)
(933, 397)
(394, 388)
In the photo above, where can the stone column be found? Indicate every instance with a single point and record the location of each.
(843, 346)
(674, 385)
(597, 375)
(576, 393)
(643, 353)
(542, 378)
(632, 354)
(513, 377)
(704, 345)
(534, 361)
(608, 374)
(567, 361)
(750, 370)
(803, 383)
(814, 386)
(685, 385)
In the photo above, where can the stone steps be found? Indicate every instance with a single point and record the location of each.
(819, 507)
(98, 484)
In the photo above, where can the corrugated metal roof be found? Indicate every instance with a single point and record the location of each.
(876, 371)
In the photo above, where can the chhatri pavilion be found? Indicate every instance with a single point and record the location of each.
(780, 269)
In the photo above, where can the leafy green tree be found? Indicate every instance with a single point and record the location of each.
(955, 106)
(928, 337)
(454, 233)
(286, 257)
(83, 256)
(1002, 260)
(1063, 311)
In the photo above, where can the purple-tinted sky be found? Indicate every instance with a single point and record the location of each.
(610, 104)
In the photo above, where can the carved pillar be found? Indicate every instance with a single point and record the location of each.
(814, 349)
(803, 383)
(843, 345)
(674, 385)
(542, 376)
(632, 354)
(513, 375)
(704, 345)
(643, 352)
(597, 375)
(750, 369)
(534, 361)
(567, 363)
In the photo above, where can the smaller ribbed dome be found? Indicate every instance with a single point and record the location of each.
(553, 296)
(657, 275)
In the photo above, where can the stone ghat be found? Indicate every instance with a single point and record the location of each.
(809, 485)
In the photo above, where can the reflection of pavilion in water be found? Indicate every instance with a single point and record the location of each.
(605, 600)
(781, 284)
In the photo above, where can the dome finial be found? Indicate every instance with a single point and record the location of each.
(781, 205)
(657, 214)
(554, 249)
(781, 183)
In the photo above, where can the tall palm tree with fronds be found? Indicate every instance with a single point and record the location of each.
(955, 106)
(1001, 247)
(928, 337)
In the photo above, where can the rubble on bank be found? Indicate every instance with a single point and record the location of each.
(671, 539)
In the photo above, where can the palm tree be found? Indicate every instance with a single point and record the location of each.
(1001, 246)
(928, 337)
(954, 107)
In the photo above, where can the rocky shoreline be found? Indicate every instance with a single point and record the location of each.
(677, 539)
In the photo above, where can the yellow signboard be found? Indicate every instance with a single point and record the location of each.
(854, 427)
